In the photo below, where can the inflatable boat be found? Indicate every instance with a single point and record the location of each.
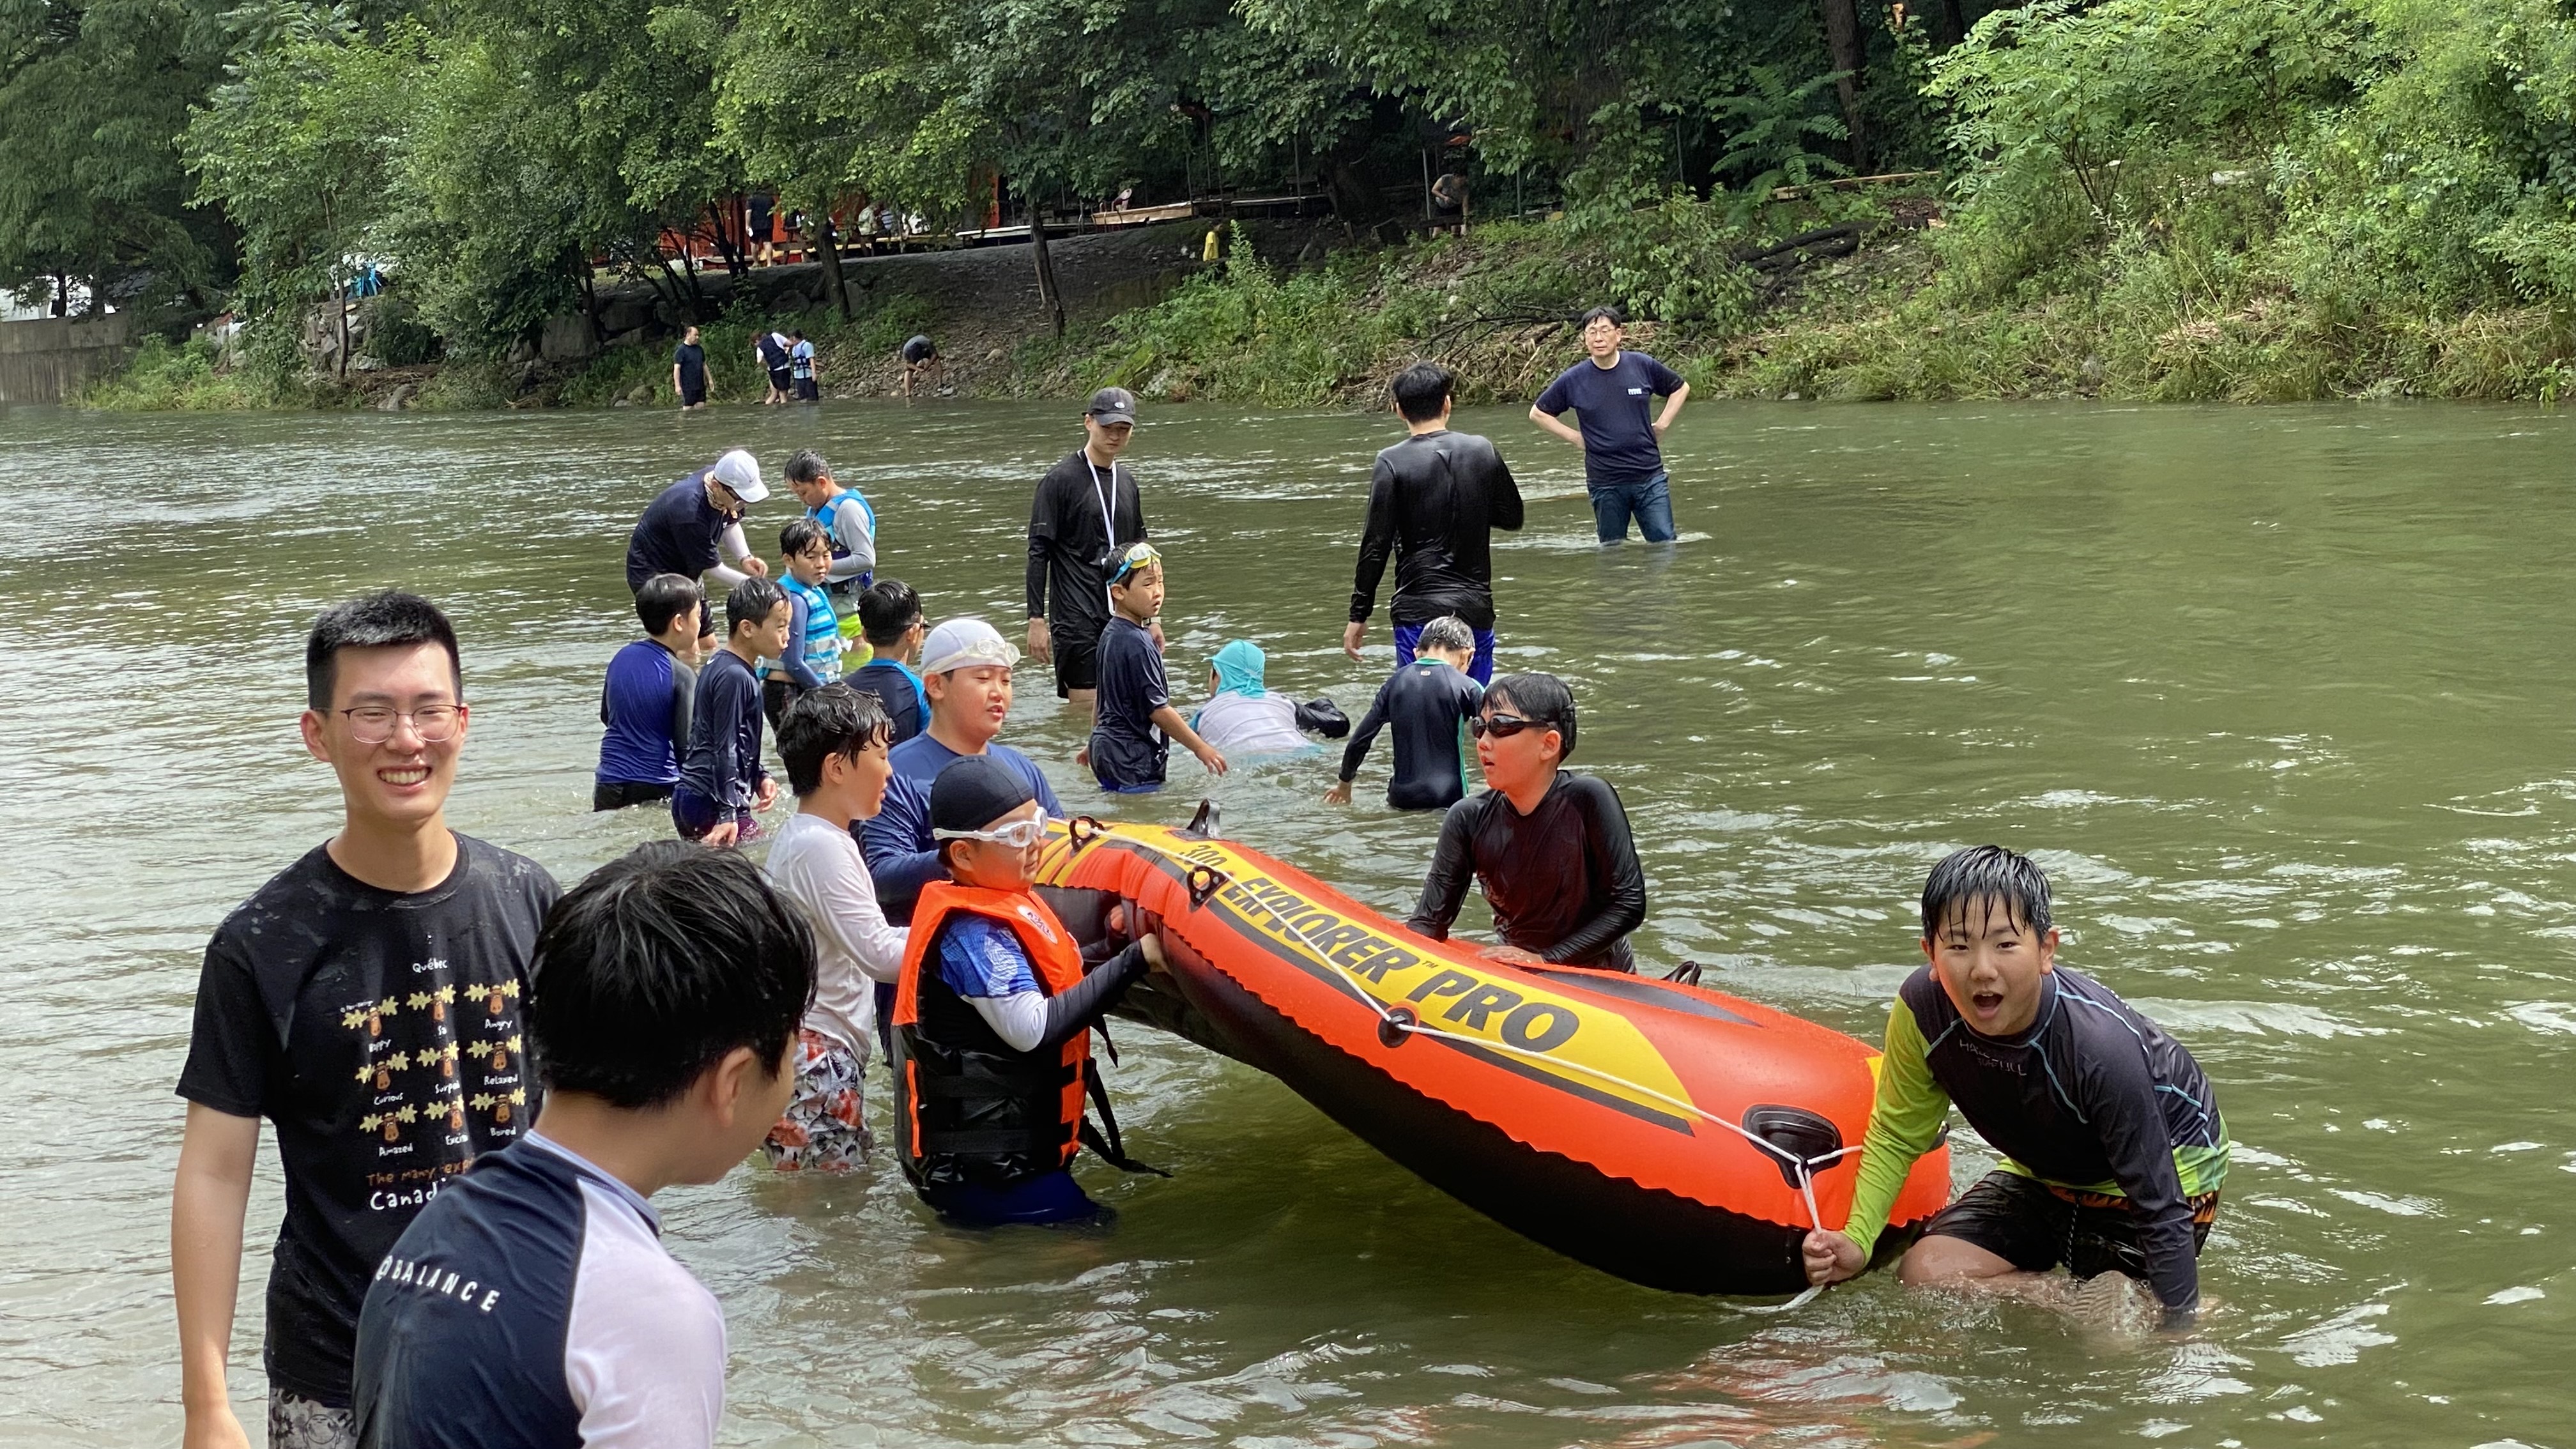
(1675, 1137)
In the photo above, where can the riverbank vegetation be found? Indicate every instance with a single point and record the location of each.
(2247, 199)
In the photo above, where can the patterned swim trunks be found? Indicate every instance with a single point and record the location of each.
(296, 1422)
(825, 1125)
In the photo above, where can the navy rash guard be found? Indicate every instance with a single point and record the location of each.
(1428, 703)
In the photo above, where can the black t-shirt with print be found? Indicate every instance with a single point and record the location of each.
(380, 1033)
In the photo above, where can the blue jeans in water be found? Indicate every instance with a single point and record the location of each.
(1408, 637)
(1650, 503)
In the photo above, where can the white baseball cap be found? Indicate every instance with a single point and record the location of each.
(739, 472)
(963, 644)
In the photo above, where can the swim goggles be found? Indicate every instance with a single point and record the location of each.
(1019, 834)
(1137, 556)
(1502, 726)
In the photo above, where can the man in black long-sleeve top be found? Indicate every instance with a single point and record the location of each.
(1087, 511)
(1434, 502)
(1551, 850)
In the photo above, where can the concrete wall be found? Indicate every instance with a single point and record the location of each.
(49, 360)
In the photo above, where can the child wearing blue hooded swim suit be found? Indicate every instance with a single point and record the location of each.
(1244, 715)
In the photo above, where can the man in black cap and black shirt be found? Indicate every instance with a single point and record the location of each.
(1434, 502)
(1086, 513)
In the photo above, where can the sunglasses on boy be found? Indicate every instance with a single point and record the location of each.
(1502, 726)
(1019, 834)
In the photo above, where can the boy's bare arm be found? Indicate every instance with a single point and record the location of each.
(207, 1204)
(1169, 721)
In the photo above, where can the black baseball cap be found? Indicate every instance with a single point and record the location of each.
(1112, 405)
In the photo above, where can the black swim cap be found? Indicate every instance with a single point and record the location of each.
(975, 791)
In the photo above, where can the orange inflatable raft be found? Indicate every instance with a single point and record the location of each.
(1673, 1136)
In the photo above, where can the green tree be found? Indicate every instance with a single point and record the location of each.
(93, 97)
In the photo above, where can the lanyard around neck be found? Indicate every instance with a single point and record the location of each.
(1106, 498)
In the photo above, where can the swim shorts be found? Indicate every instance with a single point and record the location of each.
(618, 794)
(2036, 1227)
(776, 693)
(808, 390)
(781, 379)
(1076, 643)
(825, 1125)
(1051, 1197)
(296, 1422)
(693, 815)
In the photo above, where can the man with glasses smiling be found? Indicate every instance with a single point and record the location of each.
(366, 1002)
(1551, 850)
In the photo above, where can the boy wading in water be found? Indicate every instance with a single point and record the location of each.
(2114, 1150)
(1136, 716)
(1550, 849)
(367, 1003)
(834, 743)
(992, 1018)
(1428, 700)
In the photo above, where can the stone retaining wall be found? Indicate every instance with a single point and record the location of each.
(51, 359)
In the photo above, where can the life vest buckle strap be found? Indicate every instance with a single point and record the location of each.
(1109, 1149)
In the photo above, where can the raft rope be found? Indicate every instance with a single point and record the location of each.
(1399, 1020)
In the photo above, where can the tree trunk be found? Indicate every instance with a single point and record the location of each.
(589, 295)
(1048, 296)
(1949, 24)
(62, 295)
(1842, 37)
(832, 265)
(736, 264)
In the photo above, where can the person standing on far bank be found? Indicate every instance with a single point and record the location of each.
(1086, 514)
(1623, 455)
(689, 372)
(1434, 503)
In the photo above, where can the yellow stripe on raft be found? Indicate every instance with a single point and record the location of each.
(1602, 1053)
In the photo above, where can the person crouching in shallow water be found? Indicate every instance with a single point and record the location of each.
(2114, 1150)
(1550, 849)
(992, 1014)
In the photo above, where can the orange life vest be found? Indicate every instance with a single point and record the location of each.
(970, 1106)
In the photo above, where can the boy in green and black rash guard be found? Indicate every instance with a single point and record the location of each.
(2114, 1150)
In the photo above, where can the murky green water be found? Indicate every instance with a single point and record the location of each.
(2281, 697)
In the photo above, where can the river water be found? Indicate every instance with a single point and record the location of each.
(2279, 696)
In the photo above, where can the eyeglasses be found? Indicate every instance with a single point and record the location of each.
(1138, 556)
(1501, 726)
(1020, 834)
(373, 724)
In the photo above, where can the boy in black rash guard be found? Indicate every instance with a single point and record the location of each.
(1550, 849)
(1428, 701)
(2114, 1149)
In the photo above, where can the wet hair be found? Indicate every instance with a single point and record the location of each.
(387, 620)
(1611, 315)
(821, 723)
(751, 602)
(802, 535)
(1540, 698)
(807, 466)
(2003, 879)
(795, 336)
(663, 598)
(1420, 389)
(887, 609)
(657, 966)
(1446, 632)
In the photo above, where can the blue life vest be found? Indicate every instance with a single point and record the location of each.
(827, 515)
(822, 627)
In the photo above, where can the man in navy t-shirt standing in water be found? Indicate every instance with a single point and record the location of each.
(1623, 456)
